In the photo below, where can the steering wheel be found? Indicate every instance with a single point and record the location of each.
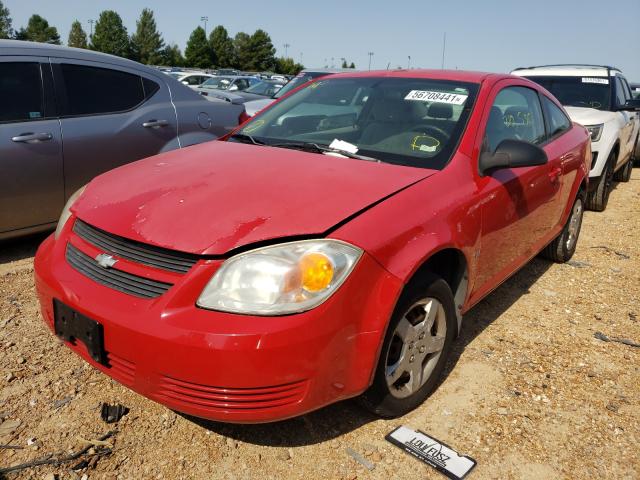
(444, 136)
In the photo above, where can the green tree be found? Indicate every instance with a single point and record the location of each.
(262, 52)
(77, 36)
(242, 47)
(38, 30)
(222, 47)
(353, 65)
(5, 22)
(287, 66)
(110, 35)
(171, 56)
(147, 43)
(344, 64)
(198, 52)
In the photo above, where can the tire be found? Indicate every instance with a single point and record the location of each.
(397, 391)
(598, 198)
(562, 248)
(624, 174)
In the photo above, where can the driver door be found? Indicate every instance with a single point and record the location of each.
(518, 205)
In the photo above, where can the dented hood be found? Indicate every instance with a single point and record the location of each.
(214, 197)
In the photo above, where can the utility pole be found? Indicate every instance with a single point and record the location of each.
(444, 47)
(91, 22)
(370, 55)
(409, 62)
(205, 20)
(286, 49)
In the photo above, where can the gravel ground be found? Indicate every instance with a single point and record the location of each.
(530, 393)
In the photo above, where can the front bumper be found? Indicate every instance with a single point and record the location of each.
(226, 367)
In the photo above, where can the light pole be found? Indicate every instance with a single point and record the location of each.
(409, 62)
(205, 20)
(370, 55)
(286, 49)
(444, 47)
(91, 22)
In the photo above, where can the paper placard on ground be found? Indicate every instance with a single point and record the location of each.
(436, 97)
(432, 452)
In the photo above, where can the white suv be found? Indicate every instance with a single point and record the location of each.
(599, 98)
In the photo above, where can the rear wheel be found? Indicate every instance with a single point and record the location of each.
(599, 197)
(624, 174)
(415, 349)
(562, 248)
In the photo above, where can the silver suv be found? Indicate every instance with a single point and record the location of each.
(67, 115)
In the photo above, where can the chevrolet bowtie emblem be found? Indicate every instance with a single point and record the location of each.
(105, 260)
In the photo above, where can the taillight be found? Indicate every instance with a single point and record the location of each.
(243, 117)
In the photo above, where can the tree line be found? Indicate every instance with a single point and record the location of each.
(243, 52)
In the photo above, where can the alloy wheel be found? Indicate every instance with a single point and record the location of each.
(416, 346)
(574, 224)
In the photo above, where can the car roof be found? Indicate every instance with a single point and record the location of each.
(453, 75)
(19, 47)
(568, 70)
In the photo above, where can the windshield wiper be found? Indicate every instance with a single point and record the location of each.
(244, 138)
(314, 147)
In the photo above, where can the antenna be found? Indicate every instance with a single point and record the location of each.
(444, 47)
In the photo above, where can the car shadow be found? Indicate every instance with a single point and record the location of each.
(20, 248)
(343, 417)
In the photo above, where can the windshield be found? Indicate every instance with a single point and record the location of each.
(266, 89)
(219, 83)
(176, 74)
(406, 121)
(590, 92)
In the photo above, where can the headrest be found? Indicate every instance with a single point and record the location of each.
(442, 111)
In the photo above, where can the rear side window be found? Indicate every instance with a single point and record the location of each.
(93, 90)
(21, 96)
(557, 121)
(515, 115)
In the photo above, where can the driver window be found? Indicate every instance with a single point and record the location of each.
(515, 114)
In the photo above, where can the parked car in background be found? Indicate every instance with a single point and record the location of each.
(67, 115)
(227, 83)
(599, 98)
(191, 79)
(339, 258)
(262, 89)
(635, 90)
(254, 106)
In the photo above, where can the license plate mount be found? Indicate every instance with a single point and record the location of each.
(73, 326)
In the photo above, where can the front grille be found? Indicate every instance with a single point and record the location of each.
(225, 399)
(149, 255)
(113, 278)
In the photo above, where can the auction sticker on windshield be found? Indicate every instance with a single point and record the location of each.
(437, 97)
(432, 452)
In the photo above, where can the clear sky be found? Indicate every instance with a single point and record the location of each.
(488, 35)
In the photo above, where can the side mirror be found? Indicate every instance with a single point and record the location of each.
(512, 154)
(632, 105)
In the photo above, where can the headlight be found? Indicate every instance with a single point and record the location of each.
(281, 279)
(595, 131)
(66, 212)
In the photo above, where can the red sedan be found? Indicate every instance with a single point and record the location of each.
(327, 249)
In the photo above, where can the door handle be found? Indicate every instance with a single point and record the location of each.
(32, 137)
(555, 173)
(155, 123)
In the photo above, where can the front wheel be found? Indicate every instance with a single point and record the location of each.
(624, 174)
(562, 248)
(415, 350)
(597, 199)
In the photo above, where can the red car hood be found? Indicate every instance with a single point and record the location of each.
(211, 198)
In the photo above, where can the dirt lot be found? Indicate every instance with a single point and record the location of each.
(530, 392)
